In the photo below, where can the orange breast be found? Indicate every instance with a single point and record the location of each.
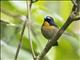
(46, 25)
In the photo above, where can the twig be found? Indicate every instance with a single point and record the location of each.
(29, 4)
(77, 18)
(22, 32)
(60, 32)
(20, 40)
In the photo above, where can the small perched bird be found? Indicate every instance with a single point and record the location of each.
(49, 28)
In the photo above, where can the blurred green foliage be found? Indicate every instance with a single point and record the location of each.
(13, 15)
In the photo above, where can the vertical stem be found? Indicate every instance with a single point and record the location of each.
(20, 40)
(29, 18)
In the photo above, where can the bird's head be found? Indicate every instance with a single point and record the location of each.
(49, 19)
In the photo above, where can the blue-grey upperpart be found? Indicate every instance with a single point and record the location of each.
(50, 20)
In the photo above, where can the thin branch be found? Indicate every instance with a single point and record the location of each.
(60, 32)
(20, 40)
(76, 19)
(22, 32)
(27, 20)
(29, 4)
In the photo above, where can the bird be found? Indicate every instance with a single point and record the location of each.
(49, 28)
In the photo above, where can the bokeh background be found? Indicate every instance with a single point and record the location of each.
(13, 14)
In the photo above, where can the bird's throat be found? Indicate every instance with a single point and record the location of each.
(46, 25)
